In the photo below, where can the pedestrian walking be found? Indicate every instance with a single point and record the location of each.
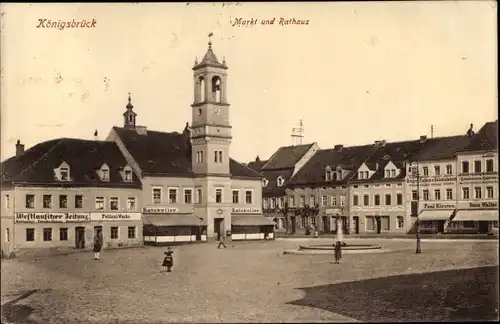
(221, 242)
(338, 251)
(168, 261)
(97, 249)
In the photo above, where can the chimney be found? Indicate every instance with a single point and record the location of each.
(96, 135)
(19, 148)
(470, 132)
(257, 159)
(423, 138)
(338, 147)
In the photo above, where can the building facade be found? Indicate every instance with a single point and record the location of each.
(65, 193)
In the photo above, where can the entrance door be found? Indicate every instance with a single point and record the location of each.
(379, 224)
(325, 224)
(483, 227)
(355, 221)
(294, 223)
(218, 227)
(80, 237)
(197, 232)
(440, 226)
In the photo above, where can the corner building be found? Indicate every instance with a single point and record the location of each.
(192, 189)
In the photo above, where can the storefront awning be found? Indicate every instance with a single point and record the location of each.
(435, 215)
(251, 220)
(172, 220)
(476, 215)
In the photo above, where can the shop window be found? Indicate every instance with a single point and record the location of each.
(30, 235)
(400, 222)
(78, 201)
(47, 234)
(469, 224)
(63, 234)
(30, 201)
(47, 201)
(63, 201)
(131, 232)
(114, 233)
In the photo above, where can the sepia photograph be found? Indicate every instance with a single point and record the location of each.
(249, 162)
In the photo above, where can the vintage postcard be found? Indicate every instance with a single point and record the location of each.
(249, 162)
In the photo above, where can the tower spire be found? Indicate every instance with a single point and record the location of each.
(129, 115)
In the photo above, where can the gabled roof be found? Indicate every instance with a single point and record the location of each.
(441, 148)
(486, 139)
(168, 153)
(272, 189)
(313, 172)
(286, 157)
(84, 157)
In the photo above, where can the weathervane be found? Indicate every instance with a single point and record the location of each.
(210, 40)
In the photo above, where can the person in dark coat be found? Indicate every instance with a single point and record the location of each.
(97, 249)
(168, 261)
(338, 251)
(221, 242)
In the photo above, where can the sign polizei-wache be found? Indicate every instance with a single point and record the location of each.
(52, 217)
(115, 217)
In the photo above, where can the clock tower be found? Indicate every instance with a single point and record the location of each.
(210, 127)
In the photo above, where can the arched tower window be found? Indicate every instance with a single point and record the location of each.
(216, 89)
(201, 89)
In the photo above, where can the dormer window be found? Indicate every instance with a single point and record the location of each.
(64, 174)
(104, 172)
(280, 181)
(265, 182)
(128, 175)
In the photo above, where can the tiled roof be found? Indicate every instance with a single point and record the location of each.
(168, 153)
(441, 148)
(256, 165)
(313, 172)
(286, 157)
(486, 139)
(272, 189)
(84, 157)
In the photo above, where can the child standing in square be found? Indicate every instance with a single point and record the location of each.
(168, 261)
(338, 251)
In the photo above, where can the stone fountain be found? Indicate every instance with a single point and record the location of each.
(340, 232)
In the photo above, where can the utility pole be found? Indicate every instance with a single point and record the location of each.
(419, 245)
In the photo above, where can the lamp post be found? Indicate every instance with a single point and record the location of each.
(419, 246)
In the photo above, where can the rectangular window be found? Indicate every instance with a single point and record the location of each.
(281, 202)
(78, 201)
(131, 203)
(47, 234)
(114, 203)
(465, 193)
(414, 195)
(387, 173)
(449, 169)
(64, 174)
(377, 200)
(437, 170)
(63, 234)
(342, 200)
(366, 186)
(388, 201)
(334, 200)
(248, 196)
(128, 175)
(99, 203)
(355, 201)
(220, 157)
(63, 201)
(291, 201)
(172, 196)
(366, 200)
(387, 185)
(30, 201)
(218, 195)
(465, 166)
(188, 196)
(393, 173)
(105, 174)
(399, 185)
(437, 194)
(236, 197)
(399, 198)
(47, 201)
(131, 232)
(30, 235)
(7, 201)
(157, 195)
(477, 166)
(489, 165)
(489, 192)
(302, 201)
(426, 194)
(199, 196)
(425, 170)
(478, 192)
(401, 222)
(324, 200)
(114, 233)
(449, 194)
(312, 201)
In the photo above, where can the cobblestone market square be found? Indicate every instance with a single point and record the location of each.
(256, 282)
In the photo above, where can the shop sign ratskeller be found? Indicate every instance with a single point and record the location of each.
(160, 210)
(246, 210)
(52, 217)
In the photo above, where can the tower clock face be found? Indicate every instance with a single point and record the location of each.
(200, 111)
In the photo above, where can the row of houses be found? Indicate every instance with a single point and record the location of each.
(450, 182)
(137, 186)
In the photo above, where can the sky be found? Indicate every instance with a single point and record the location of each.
(356, 73)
